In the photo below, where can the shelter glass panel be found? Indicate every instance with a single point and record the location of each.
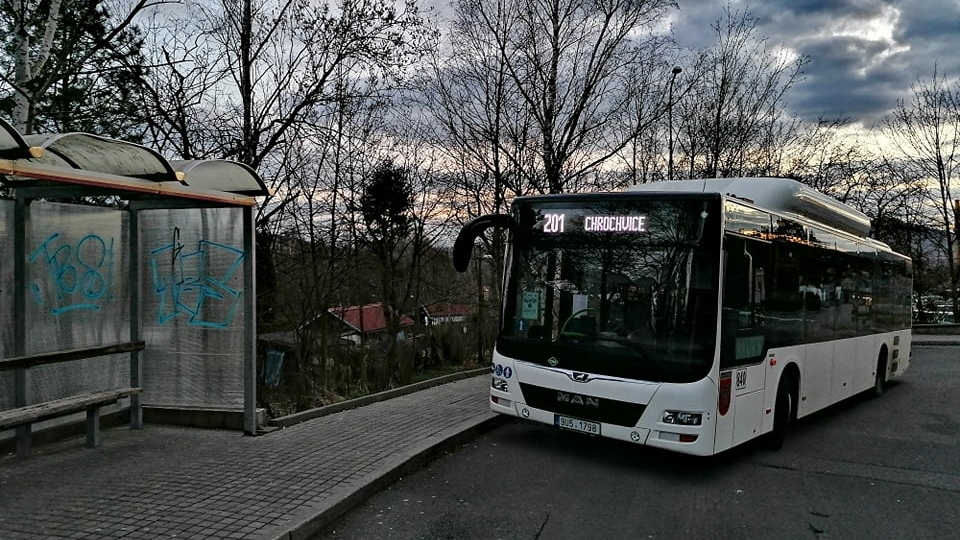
(78, 291)
(77, 294)
(193, 318)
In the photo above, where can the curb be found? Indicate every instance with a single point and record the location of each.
(296, 418)
(314, 520)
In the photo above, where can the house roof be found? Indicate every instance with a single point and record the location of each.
(447, 309)
(368, 318)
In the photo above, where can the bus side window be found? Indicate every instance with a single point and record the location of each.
(736, 288)
(744, 291)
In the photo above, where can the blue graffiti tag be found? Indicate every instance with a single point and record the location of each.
(79, 276)
(181, 281)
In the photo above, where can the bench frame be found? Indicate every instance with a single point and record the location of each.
(25, 415)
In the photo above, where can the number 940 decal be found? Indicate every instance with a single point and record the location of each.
(501, 371)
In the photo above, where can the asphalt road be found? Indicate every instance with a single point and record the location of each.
(868, 468)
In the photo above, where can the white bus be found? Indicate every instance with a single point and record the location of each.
(692, 315)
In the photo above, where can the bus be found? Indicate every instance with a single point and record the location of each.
(692, 315)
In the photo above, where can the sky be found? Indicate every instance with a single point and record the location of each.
(864, 54)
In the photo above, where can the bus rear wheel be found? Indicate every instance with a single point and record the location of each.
(880, 382)
(782, 415)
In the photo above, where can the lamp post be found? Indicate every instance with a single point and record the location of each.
(673, 75)
(956, 253)
(956, 216)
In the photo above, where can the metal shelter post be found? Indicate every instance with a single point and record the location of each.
(22, 375)
(136, 281)
(250, 324)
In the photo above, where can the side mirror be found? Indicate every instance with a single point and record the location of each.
(463, 246)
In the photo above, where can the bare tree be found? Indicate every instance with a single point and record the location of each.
(532, 96)
(480, 121)
(925, 129)
(280, 86)
(651, 130)
(733, 122)
(266, 70)
(560, 71)
(297, 91)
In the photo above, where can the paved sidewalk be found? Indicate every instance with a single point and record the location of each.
(935, 339)
(171, 482)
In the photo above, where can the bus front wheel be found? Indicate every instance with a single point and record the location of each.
(782, 415)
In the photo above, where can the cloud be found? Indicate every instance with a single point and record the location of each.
(864, 54)
(843, 80)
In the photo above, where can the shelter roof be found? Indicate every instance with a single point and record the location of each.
(128, 170)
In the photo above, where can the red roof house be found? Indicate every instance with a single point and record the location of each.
(446, 312)
(364, 320)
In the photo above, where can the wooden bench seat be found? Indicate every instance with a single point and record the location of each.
(89, 402)
(25, 414)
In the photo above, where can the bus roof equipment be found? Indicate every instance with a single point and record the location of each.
(777, 194)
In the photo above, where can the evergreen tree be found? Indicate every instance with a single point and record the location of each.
(76, 70)
(386, 205)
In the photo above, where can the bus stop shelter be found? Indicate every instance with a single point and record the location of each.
(109, 250)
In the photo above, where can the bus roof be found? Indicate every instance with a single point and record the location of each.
(781, 195)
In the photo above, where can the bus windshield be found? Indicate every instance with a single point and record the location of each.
(626, 286)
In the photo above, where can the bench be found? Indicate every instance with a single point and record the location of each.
(24, 416)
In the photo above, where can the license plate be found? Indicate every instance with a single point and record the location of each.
(576, 424)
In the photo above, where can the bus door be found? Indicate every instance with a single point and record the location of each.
(742, 376)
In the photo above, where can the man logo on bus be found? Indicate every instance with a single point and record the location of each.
(553, 361)
(577, 399)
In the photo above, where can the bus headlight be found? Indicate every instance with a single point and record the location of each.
(500, 384)
(682, 418)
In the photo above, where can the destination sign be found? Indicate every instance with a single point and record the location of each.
(615, 223)
(559, 223)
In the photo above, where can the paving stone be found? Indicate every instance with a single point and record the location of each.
(163, 481)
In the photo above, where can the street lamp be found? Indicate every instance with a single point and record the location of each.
(956, 232)
(956, 216)
(956, 253)
(673, 75)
